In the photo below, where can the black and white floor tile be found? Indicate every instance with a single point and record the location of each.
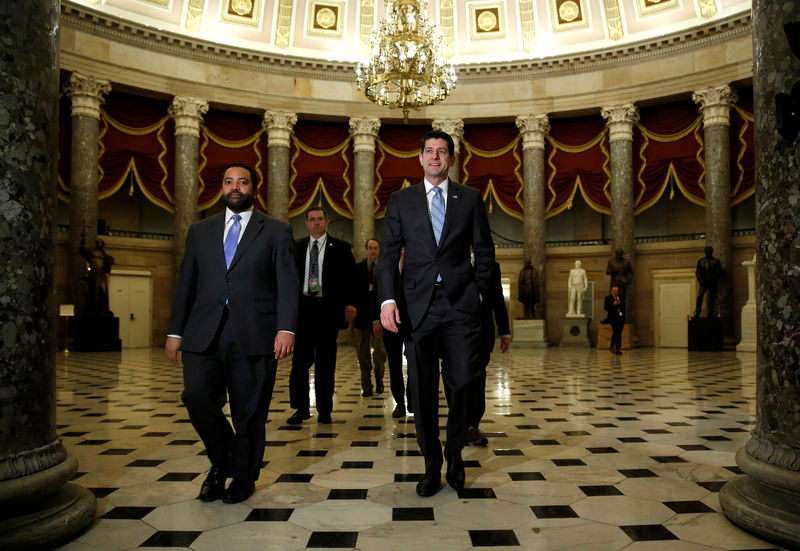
(587, 451)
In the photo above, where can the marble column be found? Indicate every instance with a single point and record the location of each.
(279, 125)
(766, 498)
(715, 106)
(39, 508)
(454, 127)
(534, 129)
(188, 114)
(620, 120)
(86, 94)
(364, 132)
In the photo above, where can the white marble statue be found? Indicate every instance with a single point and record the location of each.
(577, 286)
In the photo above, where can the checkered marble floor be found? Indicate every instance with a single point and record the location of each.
(587, 451)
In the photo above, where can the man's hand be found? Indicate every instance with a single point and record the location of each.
(284, 344)
(390, 317)
(350, 313)
(173, 349)
(377, 329)
(505, 343)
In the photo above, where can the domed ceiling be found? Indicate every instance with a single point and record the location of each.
(473, 31)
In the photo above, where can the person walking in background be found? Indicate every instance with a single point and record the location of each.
(614, 305)
(438, 222)
(369, 344)
(327, 268)
(233, 318)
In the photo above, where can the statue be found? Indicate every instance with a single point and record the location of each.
(528, 289)
(98, 265)
(621, 272)
(577, 286)
(708, 273)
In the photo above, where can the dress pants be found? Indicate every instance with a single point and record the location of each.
(248, 382)
(452, 336)
(393, 344)
(616, 334)
(314, 343)
(371, 357)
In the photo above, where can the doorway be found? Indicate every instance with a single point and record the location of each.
(130, 299)
(674, 292)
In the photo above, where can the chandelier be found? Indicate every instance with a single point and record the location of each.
(405, 70)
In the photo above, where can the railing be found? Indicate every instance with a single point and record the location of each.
(503, 242)
(126, 233)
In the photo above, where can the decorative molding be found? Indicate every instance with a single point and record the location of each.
(528, 26)
(32, 461)
(86, 94)
(242, 12)
(487, 21)
(111, 28)
(324, 19)
(533, 129)
(448, 43)
(715, 105)
(708, 8)
(620, 120)
(367, 21)
(613, 19)
(279, 125)
(364, 132)
(454, 127)
(194, 15)
(568, 15)
(283, 24)
(187, 113)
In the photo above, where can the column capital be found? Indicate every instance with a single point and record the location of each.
(279, 126)
(715, 104)
(187, 113)
(86, 94)
(454, 127)
(533, 129)
(364, 132)
(620, 120)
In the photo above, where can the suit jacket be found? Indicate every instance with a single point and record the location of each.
(260, 285)
(493, 310)
(338, 277)
(407, 223)
(615, 314)
(364, 296)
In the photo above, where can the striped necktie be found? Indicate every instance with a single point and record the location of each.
(437, 213)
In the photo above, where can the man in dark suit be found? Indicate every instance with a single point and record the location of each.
(369, 344)
(326, 267)
(614, 305)
(233, 318)
(437, 222)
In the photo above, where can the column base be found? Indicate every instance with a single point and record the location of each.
(767, 510)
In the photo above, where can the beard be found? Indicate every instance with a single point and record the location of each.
(238, 204)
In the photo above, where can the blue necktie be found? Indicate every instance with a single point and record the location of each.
(232, 239)
(437, 213)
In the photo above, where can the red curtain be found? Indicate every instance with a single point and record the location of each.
(742, 148)
(492, 163)
(396, 161)
(577, 159)
(321, 162)
(230, 138)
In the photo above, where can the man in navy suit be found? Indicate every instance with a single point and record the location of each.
(327, 298)
(233, 318)
(438, 222)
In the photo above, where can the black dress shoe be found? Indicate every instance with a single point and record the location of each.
(239, 490)
(475, 437)
(213, 486)
(429, 485)
(298, 417)
(379, 388)
(455, 474)
(324, 418)
(366, 393)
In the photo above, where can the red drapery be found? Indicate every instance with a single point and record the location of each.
(396, 162)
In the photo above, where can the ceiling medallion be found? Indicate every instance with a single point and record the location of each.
(569, 11)
(405, 70)
(326, 18)
(242, 7)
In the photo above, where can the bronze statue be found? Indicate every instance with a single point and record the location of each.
(708, 273)
(528, 289)
(98, 265)
(621, 272)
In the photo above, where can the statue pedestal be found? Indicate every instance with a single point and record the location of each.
(604, 336)
(575, 332)
(748, 342)
(705, 334)
(529, 333)
(95, 333)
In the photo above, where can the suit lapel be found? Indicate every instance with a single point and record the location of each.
(453, 203)
(254, 227)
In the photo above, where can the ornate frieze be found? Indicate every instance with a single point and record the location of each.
(533, 129)
(283, 24)
(528, 27)
(446, 27)
(364, 132)
(279, 125)
(715, 104)
(187, 113)
(613, 19)
(620, 120)
(86, 94)
(367, 21)
(194, 15)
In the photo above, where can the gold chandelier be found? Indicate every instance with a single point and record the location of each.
(405, 70)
